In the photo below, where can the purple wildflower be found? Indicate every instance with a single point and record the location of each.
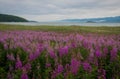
(74, 66)
(24, 76)
(105, 50)
(73, 45)
(37, 53)
(113, 53)
(101, 74)
(40, 47)
(18, 64)
(10, 57)
(27, 66)
(59, 68)
(54, 74)
(98, 53)
(47, 65)
(87, 67)
(85, 44)
(57, 71)
(52, 54)
(33, 56)
(63, 51)
(5, 46)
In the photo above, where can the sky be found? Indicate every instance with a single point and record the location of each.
(51, 10)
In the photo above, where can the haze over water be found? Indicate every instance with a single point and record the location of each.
(62, 23)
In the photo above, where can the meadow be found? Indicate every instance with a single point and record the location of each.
(59, 52)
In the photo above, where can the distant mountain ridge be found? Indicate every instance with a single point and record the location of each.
(11, 18)
(115, 19)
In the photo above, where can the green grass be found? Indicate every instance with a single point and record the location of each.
(80, 29)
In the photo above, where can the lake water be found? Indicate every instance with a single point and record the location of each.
(61, 24)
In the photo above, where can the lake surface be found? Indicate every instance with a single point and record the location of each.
(61, 24)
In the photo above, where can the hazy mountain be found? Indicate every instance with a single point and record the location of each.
(11, 18)
(115, 19)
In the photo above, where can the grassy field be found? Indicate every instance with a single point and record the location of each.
(79, 29)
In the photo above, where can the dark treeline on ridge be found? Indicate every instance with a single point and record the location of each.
(11, 18)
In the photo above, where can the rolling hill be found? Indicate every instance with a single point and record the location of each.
(11, 18)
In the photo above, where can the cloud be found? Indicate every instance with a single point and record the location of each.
(43, 10)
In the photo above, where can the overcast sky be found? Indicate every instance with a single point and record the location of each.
(49, 10)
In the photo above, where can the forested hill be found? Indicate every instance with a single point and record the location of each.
(11, 18)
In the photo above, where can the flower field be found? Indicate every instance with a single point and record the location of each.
(52, 55)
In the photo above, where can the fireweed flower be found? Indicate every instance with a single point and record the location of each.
(5, 46)
(47, 65)
(18, 64)
(74, 66)
(101, 74)
(37, 53)
(91, 55)
(113, 53)
(33, 56)
(60, 68)
(57, 71)
(85, 43)
(27, 66)
(10, 57)
(52, 54)
(2, 40)
(73, 45)
(105, 50)
(24, 76)
(98, 53)
(63, 51)
(40, 47)
(87, 67)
